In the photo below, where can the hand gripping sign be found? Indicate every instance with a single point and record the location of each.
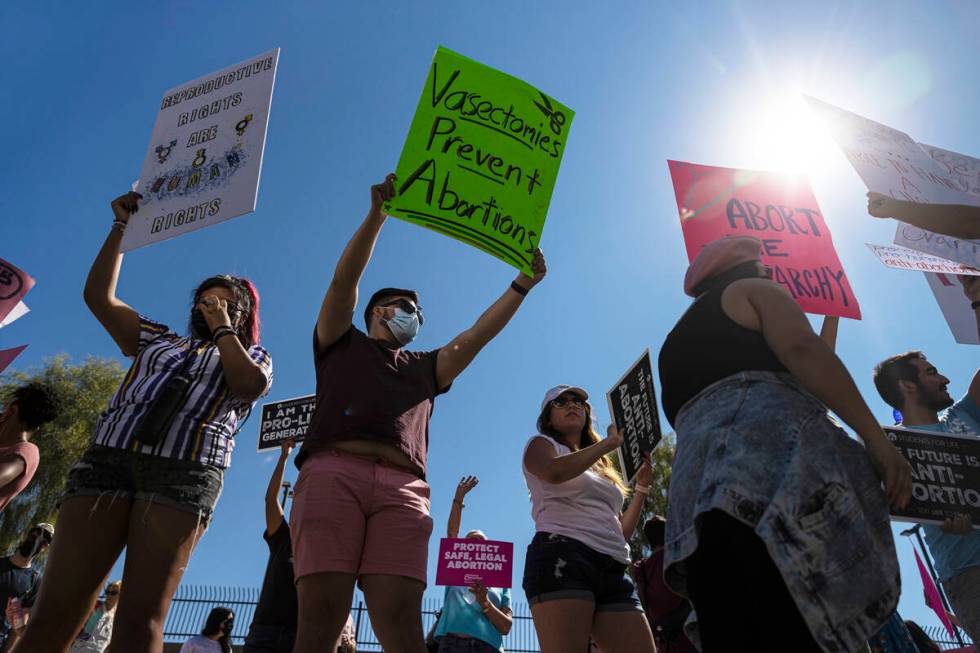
(779, 210)
(481, 158)
(945, 474)
(205, 155)
(464, 561)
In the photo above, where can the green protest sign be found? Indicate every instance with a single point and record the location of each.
(481, 158)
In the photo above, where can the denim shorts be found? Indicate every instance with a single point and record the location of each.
(558, 567)
(186, 485)
(454, 644)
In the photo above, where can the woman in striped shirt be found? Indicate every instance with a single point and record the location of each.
(151, 477)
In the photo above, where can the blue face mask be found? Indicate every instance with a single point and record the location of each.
(404, 326)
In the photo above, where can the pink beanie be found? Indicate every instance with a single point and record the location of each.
(719, 256)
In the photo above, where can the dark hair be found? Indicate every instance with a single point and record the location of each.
(383, 294)
(746, 270)
(654, 530)
(37, 404)
(921, 639)
(890, 371)
(213, 626)
(246, 296)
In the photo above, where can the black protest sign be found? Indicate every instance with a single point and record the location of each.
(285, 419)
(945, 474)
(633, 406)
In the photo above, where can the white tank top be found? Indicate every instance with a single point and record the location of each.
(586, 508)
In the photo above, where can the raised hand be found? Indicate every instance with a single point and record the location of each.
(125, 205)
(466, 484)
(971, 286)
(645, 474)
(881, 206)
(538, 266)
(215, 310)
(286, 446)
(383, 192)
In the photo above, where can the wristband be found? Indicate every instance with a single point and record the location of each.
(486, 608)
(975, 305)
(642, 489)
(220, 332)
(119, 225)
(460, 502)
(519, 289)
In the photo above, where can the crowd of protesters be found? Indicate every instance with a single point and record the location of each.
(771, 503)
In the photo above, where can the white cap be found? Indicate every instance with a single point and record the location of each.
(558, 390)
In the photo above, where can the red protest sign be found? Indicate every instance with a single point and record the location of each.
(7, 356)
(14, 284)
(780, 211)
(464, 561)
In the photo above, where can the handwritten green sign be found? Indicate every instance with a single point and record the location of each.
(481, 158)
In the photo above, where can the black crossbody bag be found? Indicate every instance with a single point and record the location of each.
(160, 415)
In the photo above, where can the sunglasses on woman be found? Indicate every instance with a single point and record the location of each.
(559, 402)
(408, 307)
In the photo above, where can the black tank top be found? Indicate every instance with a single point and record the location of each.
(706, 346)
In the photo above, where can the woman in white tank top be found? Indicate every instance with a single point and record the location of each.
(575, 572)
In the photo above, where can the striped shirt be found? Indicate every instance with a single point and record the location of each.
(203, 429)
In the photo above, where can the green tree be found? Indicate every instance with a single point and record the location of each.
(656, 501)
(85, 391)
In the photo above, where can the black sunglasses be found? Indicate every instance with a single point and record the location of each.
(558, 402)
(112, 592)
(45, 535)
(406, 306)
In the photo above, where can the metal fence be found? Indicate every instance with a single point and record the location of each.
(946, 641)
(192, 603)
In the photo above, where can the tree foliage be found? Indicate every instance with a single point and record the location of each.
(656, 501)
(85, 390)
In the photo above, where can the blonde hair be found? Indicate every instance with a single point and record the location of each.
(604, 466)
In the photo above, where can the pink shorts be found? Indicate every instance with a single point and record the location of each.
(354, 515)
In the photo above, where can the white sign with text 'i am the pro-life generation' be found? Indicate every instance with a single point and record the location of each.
(205, 155)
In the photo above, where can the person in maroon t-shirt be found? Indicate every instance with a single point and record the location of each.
(665, 610)
(361, 507)
(29, 407)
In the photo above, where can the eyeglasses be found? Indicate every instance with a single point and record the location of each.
(406, 306)
(43, 534)
(112, 592)
(559, 402)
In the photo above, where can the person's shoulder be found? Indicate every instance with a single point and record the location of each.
(963, 417)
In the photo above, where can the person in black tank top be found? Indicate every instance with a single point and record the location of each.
(760, 469)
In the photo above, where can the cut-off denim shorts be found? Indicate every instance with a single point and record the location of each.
(559, 567)
(186, 485)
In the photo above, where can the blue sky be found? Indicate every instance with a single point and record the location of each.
(714, 83)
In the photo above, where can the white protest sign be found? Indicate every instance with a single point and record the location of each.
(891, 163)
(903, 258)
(955, 306)
(18, 311)
(963, 169)
(205, 155)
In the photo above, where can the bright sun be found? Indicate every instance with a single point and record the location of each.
(785, 136)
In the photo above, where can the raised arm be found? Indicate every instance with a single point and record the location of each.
(631, 516)
(244, 376)
(956, 220)
(789, 336)
(500, 619)
(337, 310)
(273, 509)
(828, 331)
(460, 352)
(542, 460)
(466, 484)
(121, 321)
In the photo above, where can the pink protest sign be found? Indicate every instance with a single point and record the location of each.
(466, 561)
(7, 356)
(780, 211)
(14, 284)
